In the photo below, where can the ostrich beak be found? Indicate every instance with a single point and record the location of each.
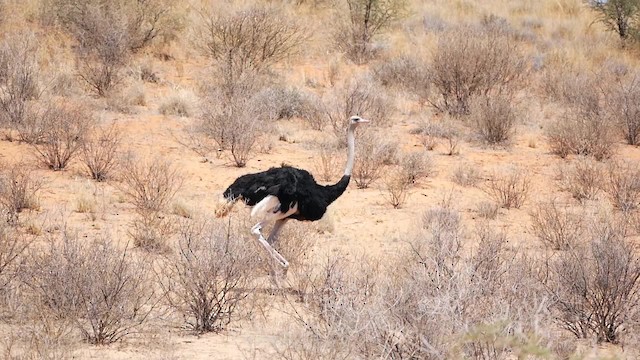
(364, 121)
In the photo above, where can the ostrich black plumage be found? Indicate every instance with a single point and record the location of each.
(284, 193)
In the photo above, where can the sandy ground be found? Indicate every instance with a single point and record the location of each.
(361, 221)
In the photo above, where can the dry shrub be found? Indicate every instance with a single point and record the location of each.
(488, 209)
(252, 39)
(106, 39)
(296, 244)
(416, 165)
(209, 280)
(13, 245)
(623, 185)
(101, 290)
(406, 73)
(433, 301)
(149, 185)
(397, 186)
(179, 103)
(370, 158)
(595, 285)
(152, 230)
(288, 102)
(100, 152)
(365, 20)
(328, 161)
(472, 61)
(18, 191)
(64, 128)
(234, 114)
(558, 228)
(623, 103)
(583, 178)
(510, 188)
(585, 128)
(362, 97)
(466, 174)
(494, 118)
(430, 132)
(19, 78)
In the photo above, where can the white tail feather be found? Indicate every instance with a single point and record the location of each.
(267, 205)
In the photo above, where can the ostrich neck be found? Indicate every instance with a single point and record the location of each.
(332, 192)
(351, 151)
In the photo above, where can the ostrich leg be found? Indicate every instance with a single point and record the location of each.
(265, 244)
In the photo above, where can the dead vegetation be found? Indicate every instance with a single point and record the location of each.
(467, 280)
(209, 280)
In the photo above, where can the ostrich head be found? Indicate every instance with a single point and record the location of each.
(354, 121)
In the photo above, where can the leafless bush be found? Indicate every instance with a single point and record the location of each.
(430, 132)
(287, 103)
(416, 165)
(64, 128)
(405, 73)
(466, 174)
(623, 104)
(152, 230)
(100, 152)
(106, 39)
(18, 190)
(147, 20)
(103, 291)
(369, 159)
(595, 285)
(13, 245)
(488, 209)
(583, 178)
(623, 185)
(397, 186)
(210, 279)
(19, 73)
(366, 20)
(558, 228)
(473, 61)
(510, 188)
(494, 118)
(252, 39)
(234, 116)
(360, 97)
(149, 185)
(328, 161)
(584, 129)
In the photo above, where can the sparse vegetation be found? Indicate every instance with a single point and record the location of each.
(510, 188)
(366, 20)
(369, 159)
(623, 185)
(208, 281)
(536, 261)
(494, 118)
(466, 174)
(64, 128)
(472, 61)
(100, 152)
(397, 186)
(583, 178)
(595, 284)
(100, 290)
(557, 227)
(19, 189)
(149, 185)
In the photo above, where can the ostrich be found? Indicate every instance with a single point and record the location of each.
(284, 193)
